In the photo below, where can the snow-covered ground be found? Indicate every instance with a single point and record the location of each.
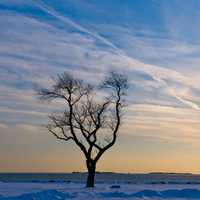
(61, 191)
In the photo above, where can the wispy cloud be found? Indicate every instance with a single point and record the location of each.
(39, 39)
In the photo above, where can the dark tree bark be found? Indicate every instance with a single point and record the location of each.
(85, 116)
(91, 167)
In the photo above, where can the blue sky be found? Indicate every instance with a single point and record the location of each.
(156, 42)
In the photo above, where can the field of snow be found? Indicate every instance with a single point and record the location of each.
(62, 191)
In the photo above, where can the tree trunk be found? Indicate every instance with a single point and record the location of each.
(91, 166)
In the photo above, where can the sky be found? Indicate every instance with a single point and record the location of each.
(155, 42)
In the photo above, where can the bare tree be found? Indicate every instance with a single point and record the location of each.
(91, 122)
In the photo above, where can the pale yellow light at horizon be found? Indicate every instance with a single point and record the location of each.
(152, 138)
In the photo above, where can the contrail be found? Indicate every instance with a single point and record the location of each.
(54, 13)
(118, 51)
(187, 102)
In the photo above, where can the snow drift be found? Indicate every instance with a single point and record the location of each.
(150, 194)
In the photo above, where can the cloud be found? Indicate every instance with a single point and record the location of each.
(8, 110)
(187, 102)
(68, 21)
(166, 123)
(3, 126)
(52, 50)
(39, 40)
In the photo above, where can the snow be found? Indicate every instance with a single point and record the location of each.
(64, 191)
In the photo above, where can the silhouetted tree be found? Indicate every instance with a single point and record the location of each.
(91, 117)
